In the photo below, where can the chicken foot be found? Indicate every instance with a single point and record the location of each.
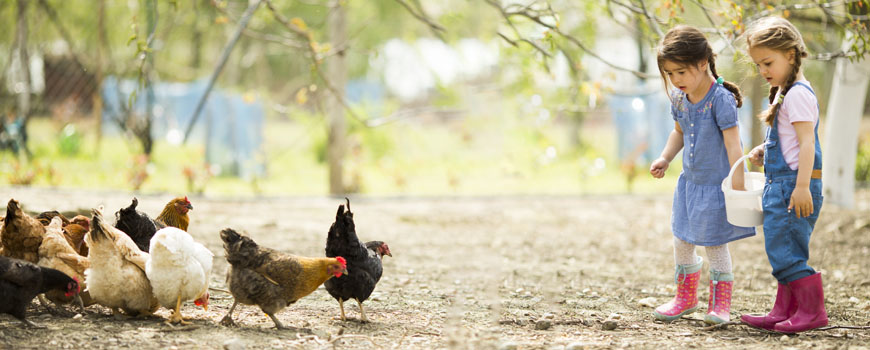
(176, 315)
(27, 323)
(278, 324)
(228, 319)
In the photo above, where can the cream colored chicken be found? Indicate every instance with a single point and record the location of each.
(179, 270)
(55, 252)
(116, 278)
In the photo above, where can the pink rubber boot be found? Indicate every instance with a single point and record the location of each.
(719, 306)
(686, 301)
(810, 311)
(783, 308)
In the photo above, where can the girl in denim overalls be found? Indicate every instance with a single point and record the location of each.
(792, 167)
(705, 111)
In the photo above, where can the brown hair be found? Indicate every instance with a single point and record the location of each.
(686, 45)
(777, 33)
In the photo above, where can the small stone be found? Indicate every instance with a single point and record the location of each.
(609, 325)
(78, 317)
(542, 325)
(586, 290)
(783, 338)
(45, 316)
(234, 344)
(648, 302)
(575, 346)
(548, 316)
(508, 346)
(614, 316)
(854, 300)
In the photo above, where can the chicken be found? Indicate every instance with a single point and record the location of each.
(20, 281)
(75, 233)
(179, 270)
(363, 262)
(73, 230)
(22, 234)
(140, 227)
(270, 279)
(45, 217)
(116, 278)
(56, 253)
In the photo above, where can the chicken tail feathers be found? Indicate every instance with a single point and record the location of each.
(98, 231)
(241, 250)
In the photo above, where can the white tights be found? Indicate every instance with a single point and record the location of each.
(720, 257)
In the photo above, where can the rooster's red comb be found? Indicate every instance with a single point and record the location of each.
(341, 261)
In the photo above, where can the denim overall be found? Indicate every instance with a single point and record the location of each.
(787, 237)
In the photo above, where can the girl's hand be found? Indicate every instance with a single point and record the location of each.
(801, 201)
(658, 167)
(756, 155)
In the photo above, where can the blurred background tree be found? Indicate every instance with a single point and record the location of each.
(401, 96)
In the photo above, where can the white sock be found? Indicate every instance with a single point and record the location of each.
(720, 258)
(684, 252)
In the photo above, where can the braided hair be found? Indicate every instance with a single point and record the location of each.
(777, 33)
(686, 45)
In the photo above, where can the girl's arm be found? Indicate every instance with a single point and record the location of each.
(801, 198)
(674, 145)
(731, 136)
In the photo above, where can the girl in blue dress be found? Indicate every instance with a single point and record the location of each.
(704, 108)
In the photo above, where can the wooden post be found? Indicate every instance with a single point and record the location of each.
(336, 71)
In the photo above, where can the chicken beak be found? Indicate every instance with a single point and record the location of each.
(189, 206)
(344, 271)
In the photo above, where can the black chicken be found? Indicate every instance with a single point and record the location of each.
(21, 281)
(136, 224)
(364, 266)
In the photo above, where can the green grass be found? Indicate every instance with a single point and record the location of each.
(471, 156)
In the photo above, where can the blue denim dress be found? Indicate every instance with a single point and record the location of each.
(787, 237)
(699, 204)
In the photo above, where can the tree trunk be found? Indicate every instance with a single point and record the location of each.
(336, 71)
(97, 112)
(24, 67)
(758, 93)
(843, 118)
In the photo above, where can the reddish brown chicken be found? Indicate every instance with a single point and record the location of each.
(22, 234)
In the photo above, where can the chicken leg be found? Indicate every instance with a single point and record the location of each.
(228, 319)
(362, 312)
(341, 307)
(176, 315)
(278, 324)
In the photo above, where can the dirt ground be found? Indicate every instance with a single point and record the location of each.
(474, 273)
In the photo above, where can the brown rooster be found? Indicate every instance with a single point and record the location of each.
(270, 279)
(56, 253)
(22, 234)
(140, 227)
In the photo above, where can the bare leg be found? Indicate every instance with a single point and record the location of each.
(362, 312)
(44, 302)
(228, 319)
(278, 324)
(26, 323)
(176, 315)
(80, 303)
(341, 306)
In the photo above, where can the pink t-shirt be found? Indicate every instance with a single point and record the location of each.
(799, 105)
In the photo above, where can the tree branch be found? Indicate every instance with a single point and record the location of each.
(526, 11)
(315, 60)
(436, 28)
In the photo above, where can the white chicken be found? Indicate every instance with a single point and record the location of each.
(116, 277)
(179, 270)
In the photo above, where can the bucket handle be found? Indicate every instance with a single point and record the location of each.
(739, 162)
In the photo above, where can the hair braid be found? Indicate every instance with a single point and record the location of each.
(711, 60)
(776, 105)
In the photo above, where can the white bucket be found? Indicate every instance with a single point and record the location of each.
(743, 208)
